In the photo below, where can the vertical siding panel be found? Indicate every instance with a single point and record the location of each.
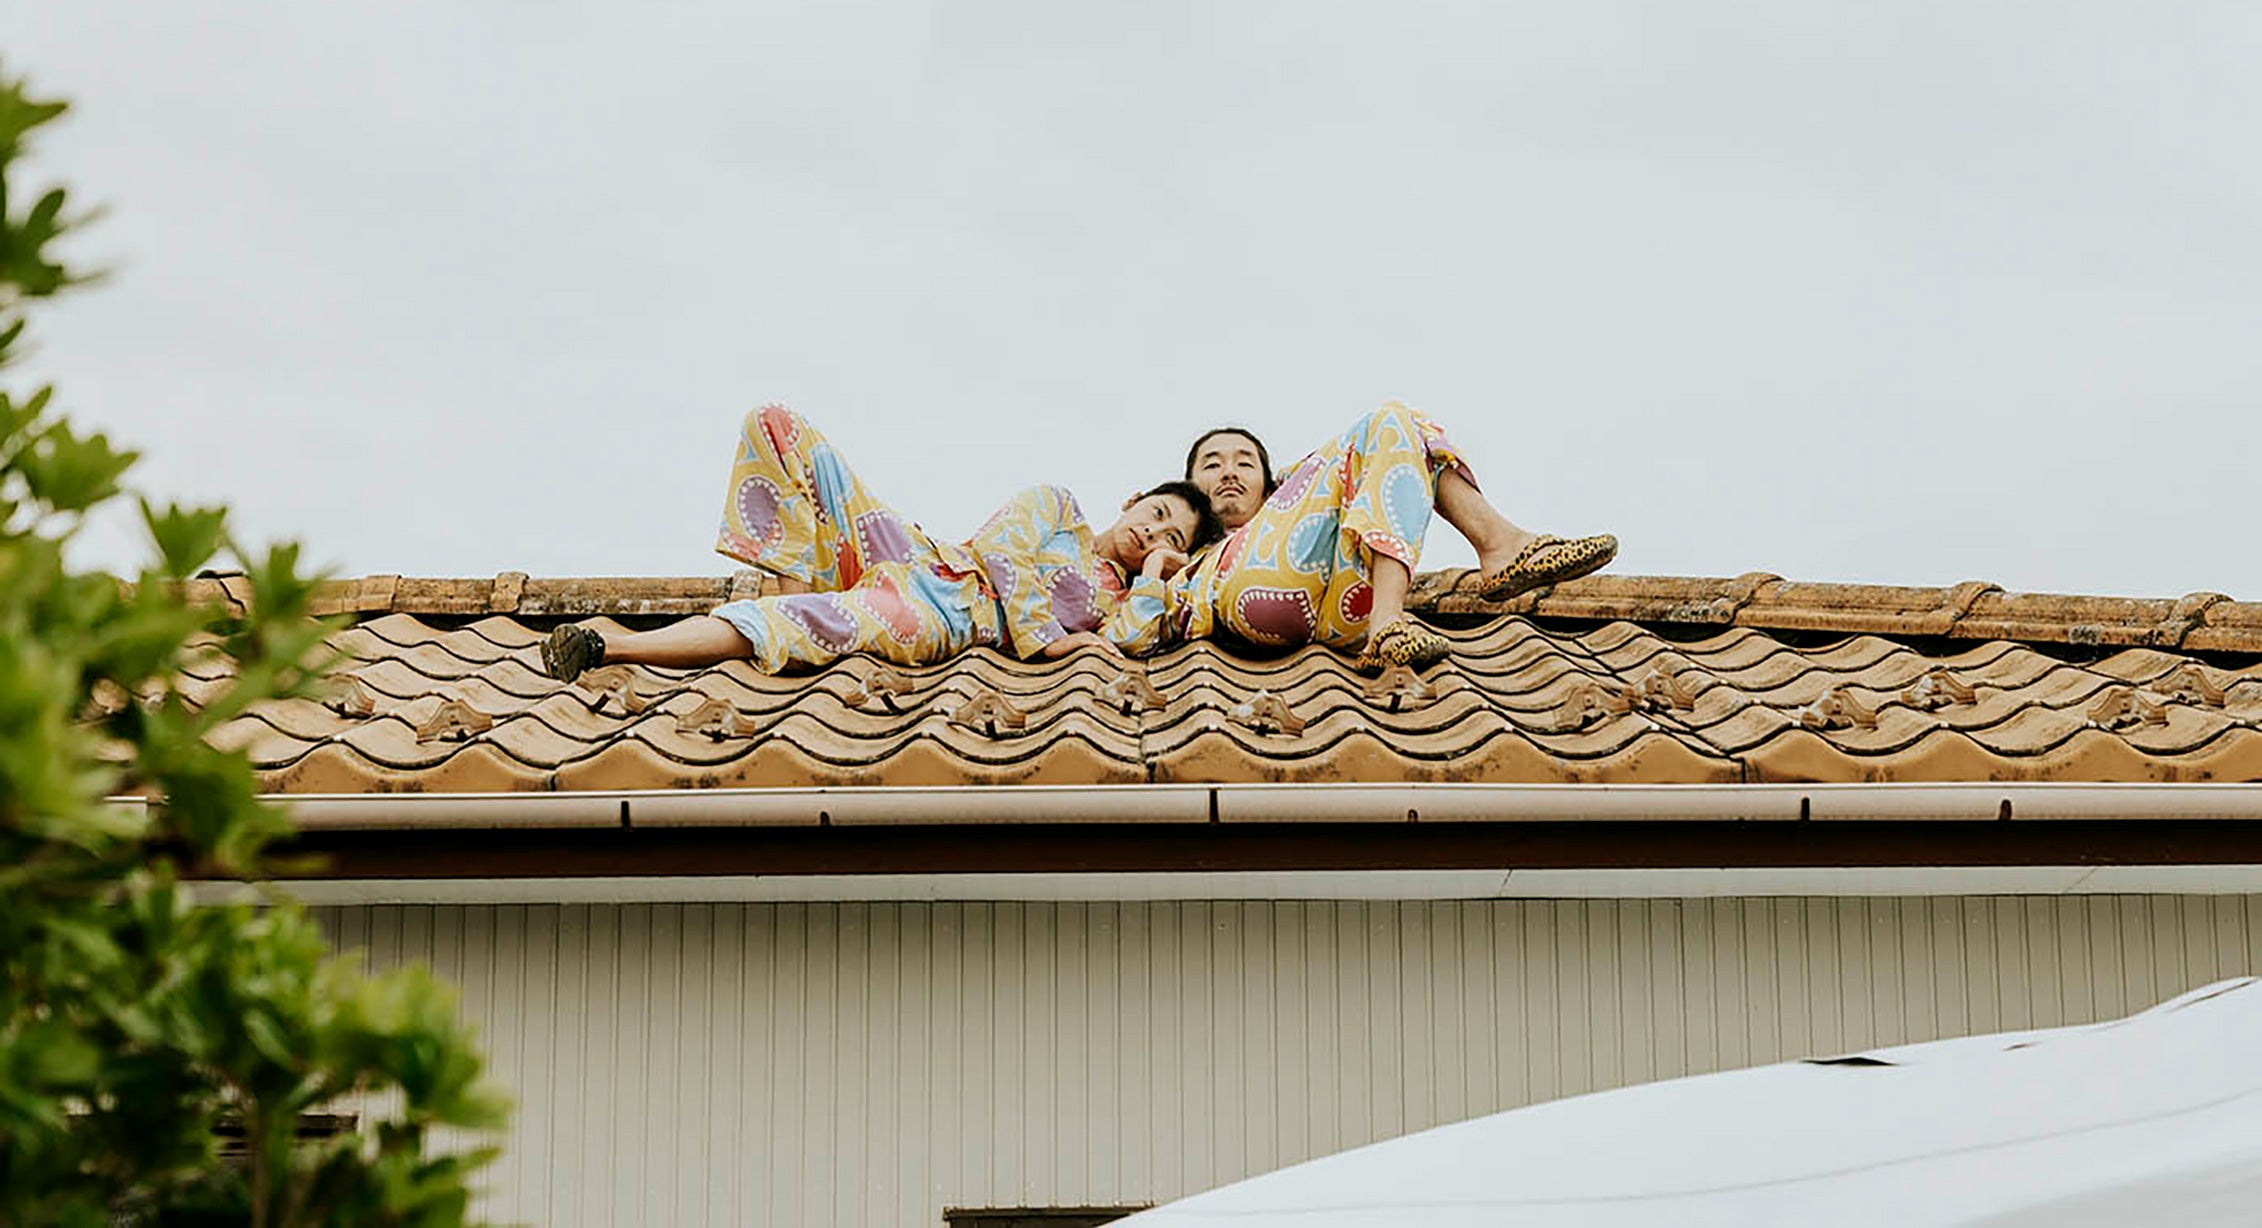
(950, 1112)
(2253, 908)
(1762, 978)
(1481, 1045)
(1701, 1001)
(1857, 970)
(1039, 1049)
(1414, 994)
(1227, 1026)
(2202, 952)
(1920, 1012)
(1067, 1097)
(1983, 991)
(660, 1010)
(1197, 1151)
(632, 1063)
(1730, 973)
(1511, 1001)
(1165, 1022)
(879, 1152)
(571, 1114)
(758, 1049)
(2012, 975)
(692, 975)
(1140, 1122)
(1386, 1014)
(2091, 929)
(1890, 1018)
(1449, 1012)
(1949, 967)
(1634, 986)
(2170, 975)
(916, 1020)
(349, 930)
(1329, 1062)
(1542, 1064)
(1354, 1024)
(601, 1159)
(1292, 1010)
(2063, 959)
(2139, 988)
(848, 1026)
(2230, 936)
(828, 1114)
(726, 1154)
(1606, 1029)
(1009, 1050)
(1260, 1057)
(1669, 1006)
(1825, 978)
(1099, 1043)
(1794, 1019)
(791, 1080)
(1574, 1020)
(495, 940)
(534, 1129)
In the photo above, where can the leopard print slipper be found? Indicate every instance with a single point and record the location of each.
(1548, 560)
(1401, 642)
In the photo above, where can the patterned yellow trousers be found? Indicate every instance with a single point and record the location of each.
(795, 509)
(1298, 571)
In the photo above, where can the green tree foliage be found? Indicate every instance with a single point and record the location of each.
(157, 1058)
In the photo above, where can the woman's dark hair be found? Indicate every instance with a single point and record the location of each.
(1207, 527)
(1264, 458)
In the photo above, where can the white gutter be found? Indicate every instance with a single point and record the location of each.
(1273, 803)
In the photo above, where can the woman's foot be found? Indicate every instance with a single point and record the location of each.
(571, 651)
(1401, 641)
(1541, 561)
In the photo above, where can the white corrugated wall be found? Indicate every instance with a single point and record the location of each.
(871, 1064)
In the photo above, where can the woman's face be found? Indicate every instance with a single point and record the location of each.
(1229, 470)
(1149, 523)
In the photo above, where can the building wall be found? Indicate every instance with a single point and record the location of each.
(870, 1064)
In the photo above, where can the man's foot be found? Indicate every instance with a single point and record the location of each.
(1401, 641)
(572, 650)
(1542, 561)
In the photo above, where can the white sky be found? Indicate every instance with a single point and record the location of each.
(1911, 293)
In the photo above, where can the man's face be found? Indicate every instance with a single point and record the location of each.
(1229, 471)
(1149, 523)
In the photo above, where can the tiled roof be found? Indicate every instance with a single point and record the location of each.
(1622, 679)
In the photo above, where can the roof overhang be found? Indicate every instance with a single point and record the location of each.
(1262, 841)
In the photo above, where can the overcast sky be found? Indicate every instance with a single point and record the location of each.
(1908, 293)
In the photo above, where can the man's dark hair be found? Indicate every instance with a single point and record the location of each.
(1264, 458)
(1207, 527)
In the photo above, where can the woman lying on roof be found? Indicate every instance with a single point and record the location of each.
(1326, 553)
(856, 577)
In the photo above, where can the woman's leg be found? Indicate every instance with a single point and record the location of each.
(686, 644)
(797, 510)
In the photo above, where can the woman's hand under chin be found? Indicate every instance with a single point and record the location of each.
(1162, 563)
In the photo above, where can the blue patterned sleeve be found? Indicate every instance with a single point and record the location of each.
(1138, 622)
(1038, 553)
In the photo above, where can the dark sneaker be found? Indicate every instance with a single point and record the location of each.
(572, 650)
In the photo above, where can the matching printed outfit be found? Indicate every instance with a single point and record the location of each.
(883, 586)
(1297, 572)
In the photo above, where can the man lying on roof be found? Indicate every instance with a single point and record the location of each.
(856, 577)
(1327, 552)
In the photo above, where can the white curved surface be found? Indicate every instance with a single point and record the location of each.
(2156, 1118)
